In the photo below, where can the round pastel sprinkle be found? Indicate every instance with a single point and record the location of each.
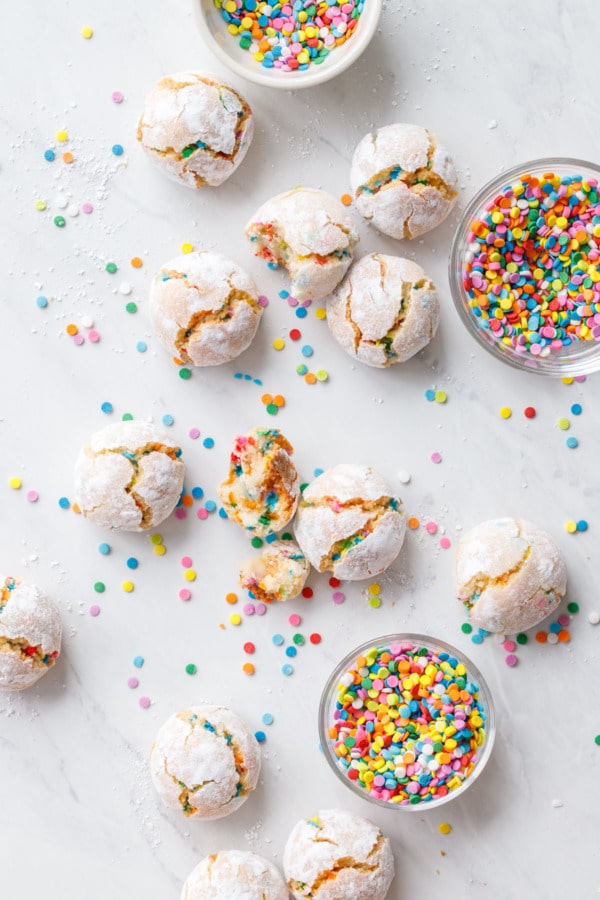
(194, 433)
(260, 609)
(186, 562)
(138, 661)
(133, 682)
(338, 597)
(107, 407)
(94, 610)
(87, 32)
(191, 669)
(594, 617)
(185, 594)
(576, 409)
(141, 346)
(15, 483)
(64, 502)
(248, 668)
(436, 457)
(307, 350)
(87, 208)
(505, 412)
(117, 97)
(301, 312)
(413, 523)
(62, 136)
(117, 149)
(582, 525)
(571, 526)
(128, 586)
(278, 344)
(522, 638)
(185, 374)
(572, 443)
(145, 702)
(290, 651)
(187, 248)
(190, 575)
(42, 302)
(552, 638)
(249, 647)
(156, 539)
(431, 527)
(208, 442)
(375, 602)
(235, 619)
(440, 396)
(466, 628)
(132, 563)
(99, 587)
(563, 424)
(267, 719)
(573, 607)
(597, 740)
(445, 543)
(260, 736)
(111, 268)
(294, 620)
(278, 639)
(59, 221)
(32, 496)
(131, 307)
(444, 828)
(287, 669)
(529, 412)
(125, 288)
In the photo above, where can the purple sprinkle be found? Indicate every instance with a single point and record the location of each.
(145, 702)
(94, 610)
(117, 97)
(436, 457)
(263, 301)
(248, 609)
(132, 682)
(338, 597)
(260, 609)
(194, 433)
(78, 339)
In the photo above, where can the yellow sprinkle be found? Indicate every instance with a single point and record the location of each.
(441, 396)
(321, 312)
(41, 205)
(563, 424)
(62, 136)
(15, 483)
(571, 526)
(186, 248)
(189, 575)
(156, 539)
(235, 619)
(127, 586)
(321, 375)
(445, 828)
(159, 549)
(278, 344)
(232, 29)
(567, 380)
(87, 32)
(374, 588)
(375, 602)
(506, 412)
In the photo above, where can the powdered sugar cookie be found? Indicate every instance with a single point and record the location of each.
(261, 492)
(310, 233)
(30, 633)
(510, 575)
(385, 310)
(128, 476)
(403, 181)
(195, 128)
(338, 855)
(348, 523)
(204, 308)
(235, 875)
(279, 573)
(205, 762)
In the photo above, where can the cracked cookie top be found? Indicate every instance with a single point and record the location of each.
(195, 128)
(403, 180)
(30, 633)
(129, 476)
(337, 855)
(235, 875)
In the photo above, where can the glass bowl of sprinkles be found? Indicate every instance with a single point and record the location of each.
(406, 720)
(525, 267)
(287, 45)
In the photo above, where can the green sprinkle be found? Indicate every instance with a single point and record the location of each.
(59, 221)
(271, 409)
(99, 587)
(131, 307)
(126, 417)
(298, 639)
(522, 638)
(256, 542)
(111, 268)
(573, 607)
(597, 739)
(185, 374)
(191, 669)
(466, 628)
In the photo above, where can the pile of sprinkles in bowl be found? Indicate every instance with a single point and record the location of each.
(290, 36)
(531, 271)
(408, 723)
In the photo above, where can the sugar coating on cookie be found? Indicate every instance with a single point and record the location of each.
(30, 633)
(384, 311)
(195, 128)
(204, 308)
(510, 575)
(235, 875)
(128, 476)
(261, 492)
(338, 855)
(310, 233)
(349, 523)
(279, 573)
(205, 762)
(403, 180)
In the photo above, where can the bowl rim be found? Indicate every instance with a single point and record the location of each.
(328, 695)
(549, 366)
(310, 77)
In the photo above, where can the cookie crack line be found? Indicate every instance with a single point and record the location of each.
(35, 653)
(344, 862)
(353, 325)
(204, 317)
(340, 548)
(480, 581)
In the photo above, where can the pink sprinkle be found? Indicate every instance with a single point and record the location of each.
(294, 619)
(186, 562)
(194, 433)
(180, 513)
(185, 594)
(117, 97)
(431, 527)
(260, 609)
(563, 619)
(338, 597)
(436, 457)
(248, 609)
(580, 379)
(263, 301)
(78, 339)
(93, 336)
(94, 610)
(202, 513)
(445, 543)
(132, 683)
(509, 646)
(292, 301)
(32, 496)
(144, 702)
(87, 208)
(511, 660)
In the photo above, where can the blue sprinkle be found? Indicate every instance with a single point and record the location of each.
(301, 311)
(270, 538)
(430, 395)
(42, 302)
(141, 346)
(107, 407)
(287, 669)
(272, 265)
(132, 563)
(238, 375)
(257, 381)
(167, 419)
(284, 294)
(49, 155)
(576, 409)
(477, 639)
(267, 719)
(208, 443)
(290, 651)
(197, 493)
(278, 639)
(117, 149)
(307, 350)
(104, 549)
(572, 442)
(64, 503)
(222, 513)
(210, 505)
(317, 472)
(138, 662)
(582, 525)
(555, 627)
(260, 736)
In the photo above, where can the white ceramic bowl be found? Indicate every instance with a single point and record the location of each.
(225, 46)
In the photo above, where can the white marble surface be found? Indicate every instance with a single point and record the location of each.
(499, 84)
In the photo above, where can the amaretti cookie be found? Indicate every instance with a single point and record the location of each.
(349, 523)
(195, 128)
(338, 855)
(510, 575)
(261, 492)
(310, 233)
(204, 308)
(384, 311)
(403, 180)
(279, 573)
(235, 875)
(205, 762)
(128, 476)
(30, 633)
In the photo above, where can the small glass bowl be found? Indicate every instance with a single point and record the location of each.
(328, 707)
(579, 357)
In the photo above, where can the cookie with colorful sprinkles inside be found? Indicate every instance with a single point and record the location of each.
(30, 633)
(205, 762)
(235, 875)
(279, 573)
(195, 128)
(338, 855)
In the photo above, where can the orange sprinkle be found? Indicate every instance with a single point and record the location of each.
(187, 500)
(279, 400)
(136, 262)
(68, 157)
(71, 329)
(413, 523)
(248, 669)
(310, 378)
(346, 199)
(266, 399)
(76, 508)
(541, 637)
(177, 361)
(231, 598)
(563, 635)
